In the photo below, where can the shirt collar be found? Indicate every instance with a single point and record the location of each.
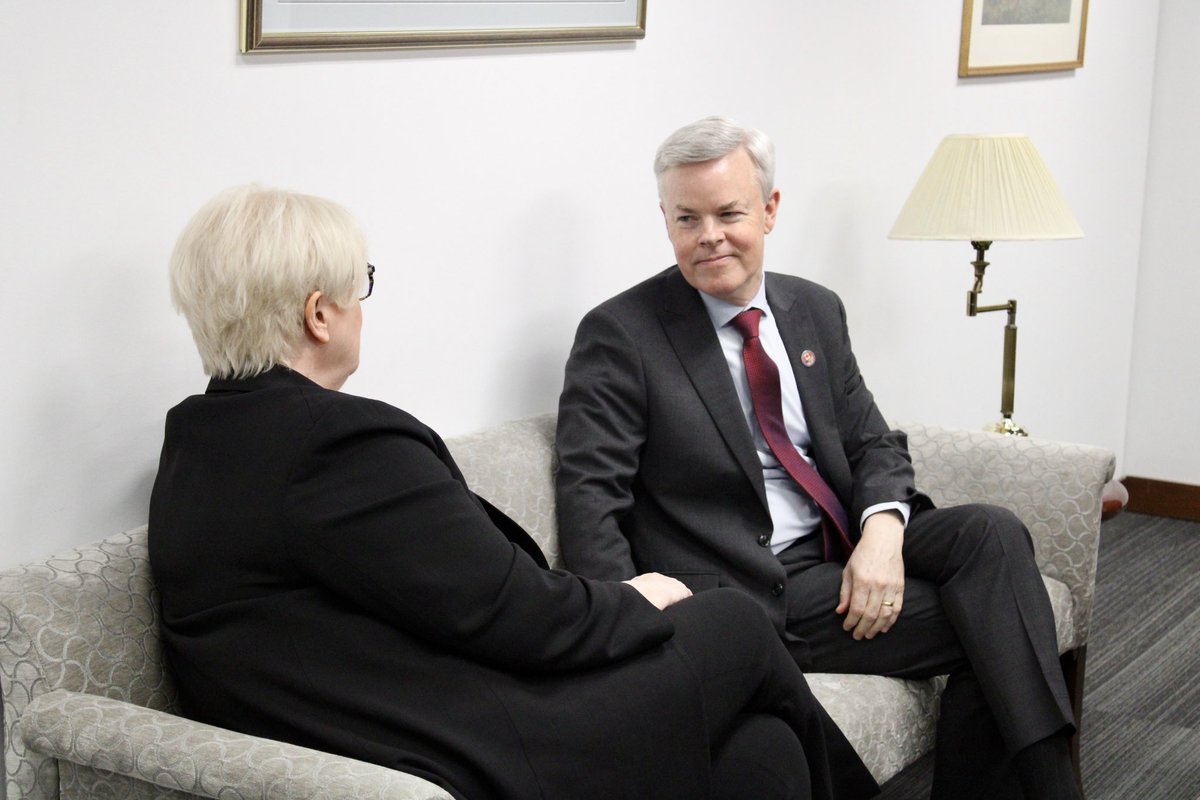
(721, 312)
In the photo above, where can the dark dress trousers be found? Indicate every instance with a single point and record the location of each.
(328, 579)
(658, 471)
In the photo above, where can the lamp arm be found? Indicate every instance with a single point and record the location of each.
(1009, 376)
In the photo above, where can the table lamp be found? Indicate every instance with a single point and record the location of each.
(982, 189)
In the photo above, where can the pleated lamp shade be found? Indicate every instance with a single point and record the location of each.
(986, 188)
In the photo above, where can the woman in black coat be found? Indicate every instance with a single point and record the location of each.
(328, 579)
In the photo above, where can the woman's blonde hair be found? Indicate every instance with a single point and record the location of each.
(247, 262)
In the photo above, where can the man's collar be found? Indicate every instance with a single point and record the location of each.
(721, 312)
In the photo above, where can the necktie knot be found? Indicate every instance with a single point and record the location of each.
(747, 322)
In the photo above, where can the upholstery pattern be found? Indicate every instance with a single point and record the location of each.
(512, 465)
(1063, 606)
(86, 621)
(890, 722)
(116, 749)
(1055, 488)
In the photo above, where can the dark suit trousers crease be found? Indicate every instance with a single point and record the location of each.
(748, 683)
(975, 608)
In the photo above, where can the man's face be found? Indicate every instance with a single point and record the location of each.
(717, 220)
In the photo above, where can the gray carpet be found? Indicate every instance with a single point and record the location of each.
(1141, 704)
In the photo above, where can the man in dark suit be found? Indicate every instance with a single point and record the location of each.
(697, 408)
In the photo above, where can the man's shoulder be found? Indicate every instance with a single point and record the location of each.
(795, 285)
(644, 295)
(790, 291)
(637, 310)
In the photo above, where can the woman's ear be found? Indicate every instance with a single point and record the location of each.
(315, 323)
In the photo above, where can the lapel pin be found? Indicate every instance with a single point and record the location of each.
(808, 358)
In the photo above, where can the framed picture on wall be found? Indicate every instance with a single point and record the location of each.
(1008, 36)
(314, 25)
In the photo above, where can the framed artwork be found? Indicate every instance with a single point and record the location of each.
(1002, 37)
(314, 25)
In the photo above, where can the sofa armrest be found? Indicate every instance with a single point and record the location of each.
(1055, 488)
(113, 736)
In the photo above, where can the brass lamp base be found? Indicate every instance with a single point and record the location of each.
(1007, 427)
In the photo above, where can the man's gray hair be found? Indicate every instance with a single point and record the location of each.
(712, 138)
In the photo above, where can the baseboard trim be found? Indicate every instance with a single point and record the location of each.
(1163, 498)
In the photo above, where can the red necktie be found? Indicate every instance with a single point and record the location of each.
(765, 394)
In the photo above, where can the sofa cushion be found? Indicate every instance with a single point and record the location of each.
(512, 466)
(1063, 605)
(889, 721)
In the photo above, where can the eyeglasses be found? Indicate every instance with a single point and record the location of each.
(370, 281)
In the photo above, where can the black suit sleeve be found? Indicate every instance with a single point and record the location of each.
(601, 431)
(878, 458)
(383, 521)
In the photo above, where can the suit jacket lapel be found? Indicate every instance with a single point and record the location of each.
(690, 332)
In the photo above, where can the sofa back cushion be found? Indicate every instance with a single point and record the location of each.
(512, 466)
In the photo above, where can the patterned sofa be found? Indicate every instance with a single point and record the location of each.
(89, 711)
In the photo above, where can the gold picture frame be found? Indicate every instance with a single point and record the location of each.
(1004, 37)
(291, 26)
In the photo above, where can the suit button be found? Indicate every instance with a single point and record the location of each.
(777, 590)
(765, 539)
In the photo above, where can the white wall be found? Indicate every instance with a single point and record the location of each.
(1164, 408)
(506, 191)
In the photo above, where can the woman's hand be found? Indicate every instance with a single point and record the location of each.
(659, 589)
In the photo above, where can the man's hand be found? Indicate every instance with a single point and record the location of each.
(873, 580)
(659, 589)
